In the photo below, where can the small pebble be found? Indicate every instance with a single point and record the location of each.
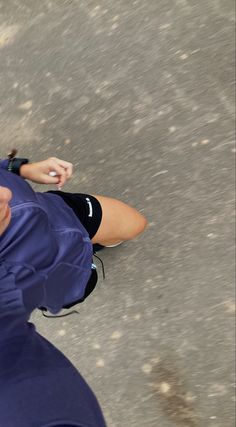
(230, 307)
(137, 316)
(116, 335)
(96, 346)
(26, 106)
(155, 360)
(114, 26)
(164, 387)
(184, 56)
(146, 368)
(100, 363)
(61, 333)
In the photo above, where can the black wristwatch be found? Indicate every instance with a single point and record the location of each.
(15, 163)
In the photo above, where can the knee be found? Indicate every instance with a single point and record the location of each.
(137, 227)
(142, 224)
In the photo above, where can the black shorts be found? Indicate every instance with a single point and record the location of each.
(89, 211)
(86, 207)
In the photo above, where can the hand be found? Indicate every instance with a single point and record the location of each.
(5, 211)
(39, 171)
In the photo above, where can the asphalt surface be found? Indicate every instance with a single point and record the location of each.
(139, 96)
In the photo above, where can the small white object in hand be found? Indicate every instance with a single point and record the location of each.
(52, 173)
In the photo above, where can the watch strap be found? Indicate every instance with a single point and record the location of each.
(15, 164)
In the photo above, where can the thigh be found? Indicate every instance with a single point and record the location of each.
(119, 221)
(86, 208)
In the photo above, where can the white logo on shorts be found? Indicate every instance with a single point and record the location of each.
(90, 206)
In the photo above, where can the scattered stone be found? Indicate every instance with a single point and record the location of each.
(100, 363)
(26, 106)
(116, 335)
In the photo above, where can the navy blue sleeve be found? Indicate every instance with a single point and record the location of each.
(4, 163)
(13, 316)
(37, 380)
(42, 386)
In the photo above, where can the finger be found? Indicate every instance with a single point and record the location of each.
(66, 165)
(69, 171)
(60, 172)
(47, 179)
(51, 178)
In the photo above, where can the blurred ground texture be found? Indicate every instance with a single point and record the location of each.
(139, 96)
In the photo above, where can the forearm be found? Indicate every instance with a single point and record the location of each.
(49, 171)
(24, 170)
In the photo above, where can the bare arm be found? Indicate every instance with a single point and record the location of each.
(39, 172)
(49, 171)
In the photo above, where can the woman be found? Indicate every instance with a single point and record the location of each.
(46, 249)
(47, 238)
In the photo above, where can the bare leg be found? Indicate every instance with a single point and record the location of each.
(120, 222)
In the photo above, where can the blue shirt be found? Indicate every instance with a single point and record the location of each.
(45, 259)
(46, 245)
(39, 387)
